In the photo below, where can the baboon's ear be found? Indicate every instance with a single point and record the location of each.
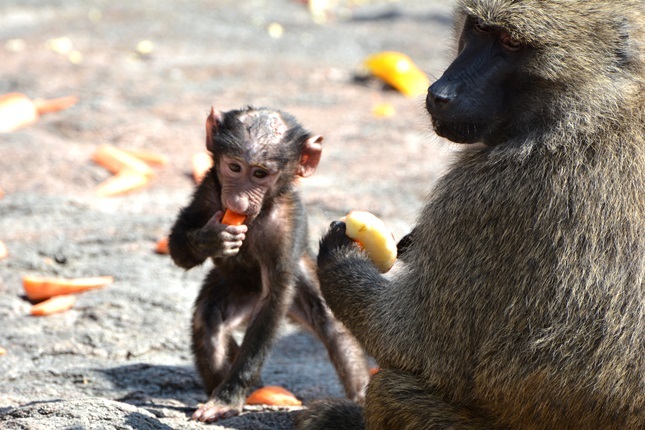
(213, 123)
(310, 156)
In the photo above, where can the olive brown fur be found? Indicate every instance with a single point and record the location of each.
(520, 301)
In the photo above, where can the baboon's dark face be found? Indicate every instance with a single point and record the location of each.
(472, 101)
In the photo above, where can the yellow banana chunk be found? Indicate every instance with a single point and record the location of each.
(375, 238)
(398, 70)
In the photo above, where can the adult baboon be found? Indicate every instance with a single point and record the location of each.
(520, 303)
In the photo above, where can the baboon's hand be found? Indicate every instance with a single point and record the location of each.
(335, 242)
(216, 239)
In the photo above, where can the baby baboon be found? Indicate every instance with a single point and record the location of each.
(520, 302)
(263, 270)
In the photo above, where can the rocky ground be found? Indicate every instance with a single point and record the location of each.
(120, 358)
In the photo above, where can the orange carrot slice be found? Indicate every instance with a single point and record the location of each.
(123, 182)
(202, 163)
(44, 287)
(53, 306)
(1, 193)
(16, 111)
(162, 246)
(273, 395)
(232, 218)
(44, 106)
(3, 250)
(374, 370)
(117, 160)
(150, 157)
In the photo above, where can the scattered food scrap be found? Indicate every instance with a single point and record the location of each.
(15, 45)
(123, 182)
(150, 157)
(274, 396)
(145, 47)
(53, 306)
(64, 46)
(202, 162)
(162, 246)
(399, 71)
(17, 110)
(131, 168)
(45, 287)
(383, 110)
(275, 30)
(117, 160)
(3, 250)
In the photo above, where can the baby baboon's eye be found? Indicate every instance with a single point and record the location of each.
(260, 174)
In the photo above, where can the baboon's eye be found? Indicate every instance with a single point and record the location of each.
(481, 27)
(260, 174)
(234, 167)
(510, 43)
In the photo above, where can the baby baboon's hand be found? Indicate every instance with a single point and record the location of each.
(218, 240)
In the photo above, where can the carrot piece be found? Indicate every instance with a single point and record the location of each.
(232, 218)
(150, 157)
(3, 250)
(16, 111)
(117, 160)
(44, 106)
(374, 370)
(202, 163)
(54, 305)
(162, 246)
(273, 395)
(1, 193)
(121, 183)
(44, 287)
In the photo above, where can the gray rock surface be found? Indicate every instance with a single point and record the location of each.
(120, 359)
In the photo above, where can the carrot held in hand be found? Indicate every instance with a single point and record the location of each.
(232, 218)
(53, 306)
(274, 396)
(42, 287)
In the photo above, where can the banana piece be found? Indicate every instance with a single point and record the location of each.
(375, 238)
